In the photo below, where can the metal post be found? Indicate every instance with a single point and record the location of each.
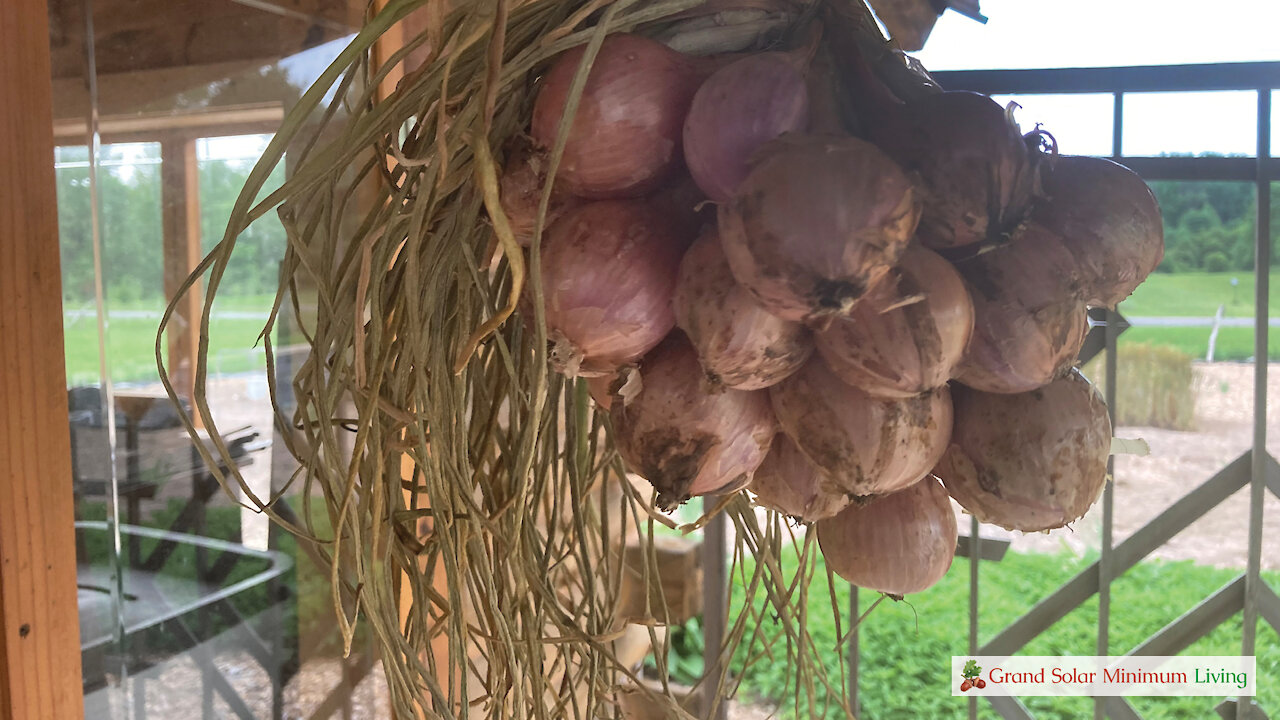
(1117, 126)
(714, 612)
(853, 649)
(1258, 466)
(1106, 570)
(975, 555)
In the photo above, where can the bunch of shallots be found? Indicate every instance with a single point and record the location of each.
(777, 275)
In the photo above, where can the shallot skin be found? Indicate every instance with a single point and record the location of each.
(1031, 318)
(736, 110)
(685, 440)
(1034, 269)
(1032, 461)
(739, 343)
(907, 335)
(520, 189)
(816, 223)
(976, 175)
(598, 388)
(864, 445)
(789, 483)
(609, 272)
(1110, 221)
(1015, 349)
(625, 139)
(899, 543)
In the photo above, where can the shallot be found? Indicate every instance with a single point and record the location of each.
(1110, 221)
(976, 175)
(816, 223)
(1032, 461)
(863, 444)
(899, 543)
(608, 272)
(1034, 270)
(1015, 348)
(685, 440)
(625, 138)
(789, 483)
(907, 335)
(739, 343)
(739, 108)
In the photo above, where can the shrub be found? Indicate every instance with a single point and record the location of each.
(1155, 386)
(1216, 261)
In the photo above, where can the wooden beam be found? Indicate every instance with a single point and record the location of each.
(141, 128)
(39, 624)
(180, 219)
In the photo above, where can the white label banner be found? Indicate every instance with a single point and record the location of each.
(1047, 675)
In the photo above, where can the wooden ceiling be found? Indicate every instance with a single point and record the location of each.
(139, 35)
(148, 52)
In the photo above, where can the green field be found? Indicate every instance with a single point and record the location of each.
(1198, 295)
(1234, 343)
(131, 342)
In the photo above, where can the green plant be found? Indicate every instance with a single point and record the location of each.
(684, 653)
(906, 647)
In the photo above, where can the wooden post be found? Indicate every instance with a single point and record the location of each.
(39, 625)
(180, 200)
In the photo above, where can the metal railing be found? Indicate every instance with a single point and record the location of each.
(1247, 593)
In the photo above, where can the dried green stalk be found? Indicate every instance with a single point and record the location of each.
(410, 357)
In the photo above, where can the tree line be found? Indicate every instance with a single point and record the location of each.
(1210, 226)
(132, 233)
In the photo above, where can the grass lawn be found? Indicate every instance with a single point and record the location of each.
(906, 647)
(131, 342)
(1198, 294)
(1234, 343)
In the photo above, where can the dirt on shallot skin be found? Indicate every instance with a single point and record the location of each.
(671, 461)
(1013, 463)
(739, 343)
(864, 445)
(800, 258)
(683, 439)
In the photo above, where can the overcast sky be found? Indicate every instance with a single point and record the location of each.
(1101, 33)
